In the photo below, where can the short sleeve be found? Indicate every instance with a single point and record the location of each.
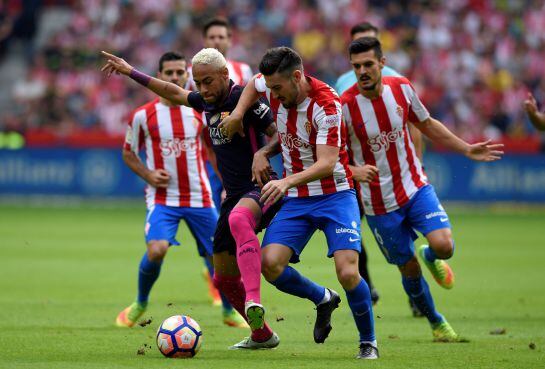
(196, 101)
(328, 120)
(134, 137)
(417, 110)
(259, 115)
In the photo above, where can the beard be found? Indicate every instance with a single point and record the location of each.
(370, 88)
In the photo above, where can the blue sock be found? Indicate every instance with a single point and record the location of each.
(419, 291)
(147, 275)
(292, 282)
(226, 305)
(359, 300)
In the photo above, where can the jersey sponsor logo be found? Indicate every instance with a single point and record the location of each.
(261, 110)
(292, 142)
(353, 239)
(217, 136)
(384, 139)
(347, 230)
(332, 121)
(177, 146)
(443, 220)
(437, 214)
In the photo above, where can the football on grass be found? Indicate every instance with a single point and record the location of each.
(179, 336)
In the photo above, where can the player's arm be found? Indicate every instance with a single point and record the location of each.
(537, 118)
(261, 166)
(326, 158)
(438, 133)
(210, 154)
(167, 90)
(233, 123)
(157, 178)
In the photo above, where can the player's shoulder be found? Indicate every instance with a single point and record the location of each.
(322, 93)
(350, 94)
(395, 80)
(238, 63)
(143, 109)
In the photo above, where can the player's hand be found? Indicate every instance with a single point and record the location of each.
(115, 64)
(485, 151)
(273, 191)
(230, 125)
(530, 104)
(260, 169)
(158, 178)
(365, 174)
(223, 195)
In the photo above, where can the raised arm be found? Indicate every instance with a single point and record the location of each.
(233, 123)
(167, 90)
(438, 133)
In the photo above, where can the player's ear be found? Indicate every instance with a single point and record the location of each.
(297, 75)
(382, 62)
(225, 72)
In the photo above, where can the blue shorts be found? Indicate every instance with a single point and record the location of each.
(395, 231)
(162, 224)
(337, 215)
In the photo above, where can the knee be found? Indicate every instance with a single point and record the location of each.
(411, 269)
(348, 277)
(240, 219)
(271, 268)
(443, 246)
(157, 250)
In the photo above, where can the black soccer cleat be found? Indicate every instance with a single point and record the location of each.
(367, 351)
(374, 296)
(322, 326)
(415, 310)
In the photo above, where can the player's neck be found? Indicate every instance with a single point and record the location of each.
(304, 90)
(167, 102)
(374, 93)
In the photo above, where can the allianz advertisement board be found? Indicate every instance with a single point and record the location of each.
(101, 172)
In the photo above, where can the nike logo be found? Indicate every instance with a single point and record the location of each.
(443, 219)
(353, 239)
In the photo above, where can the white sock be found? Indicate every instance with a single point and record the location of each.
(326, 298)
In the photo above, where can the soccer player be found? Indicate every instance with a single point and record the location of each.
(399, 200)
(217, 34)
(344, 82)
(237, 253)
(178, 186)
(319, 190)
(536, 117)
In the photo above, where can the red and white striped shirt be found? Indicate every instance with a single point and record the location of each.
(378, 135)
(172, 139)
(315, 121)
(239, 72)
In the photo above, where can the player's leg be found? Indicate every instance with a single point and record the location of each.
(429, 218)
(160, 230)
(202, 224)
(339, 218)
(284, 240)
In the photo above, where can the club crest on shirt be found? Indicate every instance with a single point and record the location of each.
(399, 111)
(308, 127)
(224, 114)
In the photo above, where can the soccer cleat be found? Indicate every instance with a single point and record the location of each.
(415, 309)
(233, 319)
(213, 292)
(249, 344)
(130, 315)
(440, 270)
(443, 332)
(367, 351)
(322, 326)
(255, 314)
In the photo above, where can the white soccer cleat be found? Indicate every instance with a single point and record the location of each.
(249, 344)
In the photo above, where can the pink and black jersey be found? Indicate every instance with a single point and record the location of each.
(315, 121)
(172, 140)
(240, 73)
(378, 135)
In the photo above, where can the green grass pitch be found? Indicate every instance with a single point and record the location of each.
(66, 272)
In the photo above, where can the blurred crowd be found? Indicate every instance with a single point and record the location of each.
(471, 61)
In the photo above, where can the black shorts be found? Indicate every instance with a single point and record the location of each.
(223, 239)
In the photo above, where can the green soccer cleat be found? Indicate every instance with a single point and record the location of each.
(256, 315)
(233, 319)
(440, 270)
(443, 332)
(249, 344)
(130, 315)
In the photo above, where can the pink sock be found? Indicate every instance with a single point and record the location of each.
(242, 223)
(233, 289)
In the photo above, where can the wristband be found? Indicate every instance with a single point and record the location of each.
(140, 77)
